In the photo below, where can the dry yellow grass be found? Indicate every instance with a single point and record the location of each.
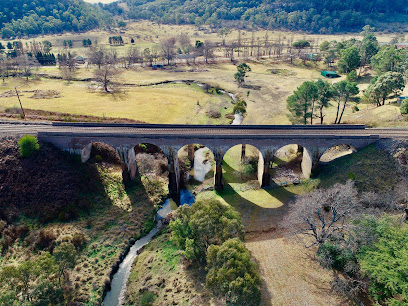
(290, 273)
(174, 103)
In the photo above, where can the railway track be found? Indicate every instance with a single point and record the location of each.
(18, 128)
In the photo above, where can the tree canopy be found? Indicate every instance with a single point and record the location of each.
(25, 17)
(324, 16)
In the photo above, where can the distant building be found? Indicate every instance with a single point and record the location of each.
(80, 60)
(330, 74)
(402, 45)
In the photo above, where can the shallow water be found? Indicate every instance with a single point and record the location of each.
(201, 165)
(116, 295)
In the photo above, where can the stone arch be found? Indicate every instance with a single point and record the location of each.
(336, 151)
(242, 163)
(197, 166)
(288, 164)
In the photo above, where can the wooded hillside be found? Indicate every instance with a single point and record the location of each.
(323, 16)
(24, 17)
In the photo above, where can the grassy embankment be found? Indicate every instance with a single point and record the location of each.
(114, 216)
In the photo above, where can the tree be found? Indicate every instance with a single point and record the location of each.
(350, 60)
(47, 46)
(223, 33)
(232, 273)
(300, 45)
(389, 58)
(97, 56)
(132, 41)
(368, 48)
(208, 50)
(26, 63)
(324, 93)
(205, 223)
(322, 213)
(65, 255)
(386, 261)
(240, 75)
(342, 92)
(386, 84)
(107, 77)
(301, 103)
(168, 48)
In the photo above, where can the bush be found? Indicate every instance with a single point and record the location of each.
(232, 273)
(28, 146)
(205, 223)
(147, 298)
(45, 239)
(404, 106)
(352, 76)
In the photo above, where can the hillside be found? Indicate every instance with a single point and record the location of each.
(314, 16)
(25, 17)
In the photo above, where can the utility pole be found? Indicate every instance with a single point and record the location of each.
(21, 105)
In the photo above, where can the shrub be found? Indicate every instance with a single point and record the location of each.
(79, 240)
(352, 76)
(28, 146)
(404, 106)
(147, 298)
(45, 239)
(232, 273)
(205, 223)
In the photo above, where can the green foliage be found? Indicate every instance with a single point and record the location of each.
(28, 146)
(65, 255)
(319, 16)
(24, 17)
(300, 45)
(384, 85)
(404, 106)
(240, 107)
(301, 102)
(232, 273)
(147, 298)
(350, 60)
(390, 58)
(205, 223)
(242, 68)
(352, 76)
(32, 281)
(386, 261)
(343, 91)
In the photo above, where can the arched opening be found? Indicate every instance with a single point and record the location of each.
(337, 151)
(110, 172)
(196, 166)
(287, 165)
(152, 166)
(240, 166)
(104, 153)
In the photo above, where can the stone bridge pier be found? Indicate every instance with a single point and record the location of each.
(174, 171)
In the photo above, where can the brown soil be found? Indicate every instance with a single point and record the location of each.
(44, 185)
(40, 115)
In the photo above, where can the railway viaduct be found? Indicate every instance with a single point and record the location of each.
(315, 140)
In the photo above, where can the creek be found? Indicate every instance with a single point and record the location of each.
(116, 295)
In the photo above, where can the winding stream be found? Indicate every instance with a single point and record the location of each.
(116, 295)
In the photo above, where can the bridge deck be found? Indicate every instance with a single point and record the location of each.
(199, 131)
